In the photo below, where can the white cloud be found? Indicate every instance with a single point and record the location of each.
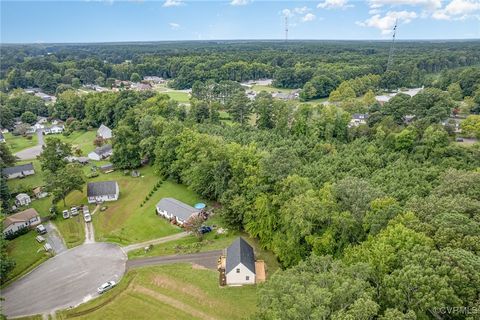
(308, 17)
(426, 4)
(334, 4)
(173, 3)
(457, 10)
(301, 10)
(386, 23)
(287, 13)
(239, 2)
(174, 26)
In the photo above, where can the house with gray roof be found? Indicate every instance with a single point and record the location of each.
(18, 171)
(174, 209)
(101, 153)
(240, 263)
(102, 191)
(104, 132)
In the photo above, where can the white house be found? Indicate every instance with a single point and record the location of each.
(54, 129)
(104, 132)
(240, 263)
(102, 191)
(358, 119)
(22, 199)
(18, 171)
(24, 219)
(101, 153)
(44, 96)
(173, 209)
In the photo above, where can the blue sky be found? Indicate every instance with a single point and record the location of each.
(114, 20)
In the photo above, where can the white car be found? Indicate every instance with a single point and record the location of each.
(106, 286)
(87, 217)
(74, 211)
(65, 214)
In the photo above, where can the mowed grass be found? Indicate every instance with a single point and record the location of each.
(27, 254)
(179, 96)
(80, 139)
(18, 143)
(177, 291)
(125, 221)
(71, 229)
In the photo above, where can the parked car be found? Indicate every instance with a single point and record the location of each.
(106, 286)
(459, 140)
(40, 239)
(87, 217)
(41, 229)
(74, 211)
(65, 214)
(47, 247)
(204, 229)
(85, 210)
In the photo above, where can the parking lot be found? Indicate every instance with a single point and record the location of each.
(65, 280)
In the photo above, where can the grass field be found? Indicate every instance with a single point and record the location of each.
(72, 230)
(80, 139)
(18, 143)
(177, 291)
(26, 252)
(179, 96)
(125, 221)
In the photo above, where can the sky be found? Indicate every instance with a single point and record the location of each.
(43, 21)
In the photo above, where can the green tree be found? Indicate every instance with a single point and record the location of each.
(240, 108)
(135, 77)
(6, 263)
(63, 181)
(471, 126)
(455, 91)
(28, 117)
(53, 154)
(7, 159)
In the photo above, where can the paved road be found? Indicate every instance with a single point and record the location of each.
(142, 245)
(65, 280)
(33, 152)
(207, 259)
(54, 238)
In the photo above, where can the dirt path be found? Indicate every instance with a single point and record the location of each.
(173, 303)
(142, 245)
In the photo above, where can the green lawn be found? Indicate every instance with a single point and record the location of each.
(179, 96)
(72, 229)
(26, 252)
(18, 143)
(177, 291)
(125, 221)
(81, 139)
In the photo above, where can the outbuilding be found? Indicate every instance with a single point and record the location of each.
(101, 153)
(22, 199)
(104, 132)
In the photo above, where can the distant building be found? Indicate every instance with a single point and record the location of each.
(138, 86)
(39, 193)
(104, 132)
(286, 96)
(18, 171)
(101, 153)
(358, 119)
(154, 79)
(102, 191)
(55, 129)
(24, 219)
(45, 97)
(385, 98)
(107, 168)
(174, 209)
(22, 199)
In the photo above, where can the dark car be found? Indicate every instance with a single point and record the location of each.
(205, 229)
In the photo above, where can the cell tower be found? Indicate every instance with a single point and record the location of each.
(286, 27)
(392, 46)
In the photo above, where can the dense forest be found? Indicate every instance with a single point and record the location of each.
(377, 221)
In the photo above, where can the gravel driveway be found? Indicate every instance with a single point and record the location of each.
(54, 238)
(65, 280)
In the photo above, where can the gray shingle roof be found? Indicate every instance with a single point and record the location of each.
(104, 131)
(101, 188)
(240, 252)
(103, 149)
(17, 169)
(179, 209)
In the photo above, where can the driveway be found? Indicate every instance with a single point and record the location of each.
(54, 238)
(206, 259)
(142, 245)
(65, 280)
(33, 152)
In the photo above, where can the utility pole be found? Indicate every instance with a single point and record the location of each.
(392, 47)
(286, 28)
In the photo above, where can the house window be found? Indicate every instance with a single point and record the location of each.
(238, 270)
(247, 278)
